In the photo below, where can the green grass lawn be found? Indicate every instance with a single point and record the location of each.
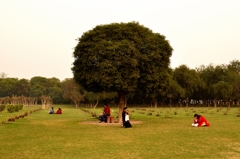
(69, 136)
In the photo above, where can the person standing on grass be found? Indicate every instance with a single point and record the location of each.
(123, 115)
(106, 113)
(127, 123)
(200, 121)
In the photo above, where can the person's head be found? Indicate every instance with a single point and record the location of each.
(105, 105)
(124, 108)
(59, 108)
(52, 107)
(196, 116)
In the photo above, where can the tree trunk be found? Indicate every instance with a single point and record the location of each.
(187, 101)
(95, 104)
(170, 103)
(76, 105)
(154, 100)
(126, 98)
(121, 105)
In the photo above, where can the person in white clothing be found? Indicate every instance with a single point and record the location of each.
(127, 123)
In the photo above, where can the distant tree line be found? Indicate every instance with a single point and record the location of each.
(211, 85)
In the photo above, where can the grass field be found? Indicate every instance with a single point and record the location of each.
(76, 134)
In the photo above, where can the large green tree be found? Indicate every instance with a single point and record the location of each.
(122, 57)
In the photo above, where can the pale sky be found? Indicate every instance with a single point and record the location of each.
(37, 37)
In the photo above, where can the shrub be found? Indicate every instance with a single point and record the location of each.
(16, 107)
(11, 108)
(2, 107)
(20, 106)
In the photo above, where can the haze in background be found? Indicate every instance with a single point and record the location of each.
(37, 37)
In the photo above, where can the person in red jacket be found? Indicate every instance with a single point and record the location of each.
(106, 113)
(59, 111)
(200, 121)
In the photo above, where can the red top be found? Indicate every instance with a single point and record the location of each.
(59, 111)
(107, 110)
(202, 120)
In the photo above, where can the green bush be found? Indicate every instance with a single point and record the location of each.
(20, 106)
(16, 107)
(2, 107)
(11, 108)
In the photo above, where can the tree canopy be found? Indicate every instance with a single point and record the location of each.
(122, 57)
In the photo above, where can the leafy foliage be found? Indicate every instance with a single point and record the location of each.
(125, 56)
(14, 108)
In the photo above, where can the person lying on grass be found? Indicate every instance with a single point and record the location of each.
(199, 120)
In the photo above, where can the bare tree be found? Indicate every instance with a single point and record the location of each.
(3, 75)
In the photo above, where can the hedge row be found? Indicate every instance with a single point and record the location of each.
(14, 108)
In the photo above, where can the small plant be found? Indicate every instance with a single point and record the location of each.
(149, 113)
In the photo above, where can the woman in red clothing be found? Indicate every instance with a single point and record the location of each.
(59, 111)
(200, 121)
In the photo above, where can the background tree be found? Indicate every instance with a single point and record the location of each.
(37, 90)
(234, 67)
(175, 91)
(54, 90)
(222, 82)
(73, 91)
(3, 75)
(122, 57)
(188, 79)
(38, 86)
(8, 86)
(23, 87)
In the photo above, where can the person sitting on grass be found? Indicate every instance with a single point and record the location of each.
(59, 111)
(51, 111)
(201, 121)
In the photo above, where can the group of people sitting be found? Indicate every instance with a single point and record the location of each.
(199, 120)
(51, 111)
(125, 116)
